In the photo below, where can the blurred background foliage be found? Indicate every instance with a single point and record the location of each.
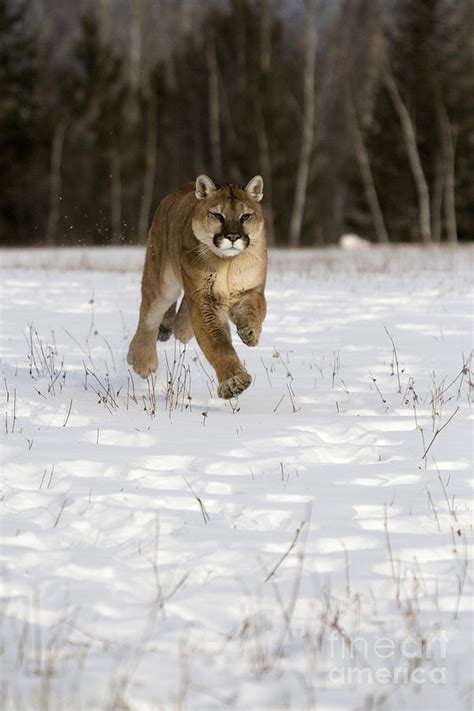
(358, 113)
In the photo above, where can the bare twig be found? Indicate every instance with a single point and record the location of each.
(68, 414)
(287, 552)
(205, 515)
(75, 341)
(279, 402)
(395, 357)
(434, 509)
(14, 410)
(60, 512)
(396, 579)
(440, 429)
(374, 380)
(50, 477)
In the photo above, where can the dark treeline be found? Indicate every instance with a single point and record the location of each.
(359, 114)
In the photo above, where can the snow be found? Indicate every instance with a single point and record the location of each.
(351, 242)
(289, 549)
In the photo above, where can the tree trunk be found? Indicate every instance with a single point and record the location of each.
(449, 193)
(261, 99)
(136, 42)
(106, 19)
(42, 21)
(299, 199)
(214, 108)
(150, 170)
(187, 17)
(198, 157)
(265, 37)
(55, 183)
(266, 167)
(240, 38)
(371, 196)
(413, 157)
(233, 168)
(115, 196)
(438, 194)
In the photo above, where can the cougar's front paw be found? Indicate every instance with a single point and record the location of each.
(143, 362)
(234, 385)
(249, 334)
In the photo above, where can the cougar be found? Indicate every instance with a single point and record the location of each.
(207, 241)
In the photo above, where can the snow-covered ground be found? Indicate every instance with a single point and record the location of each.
(302, 547)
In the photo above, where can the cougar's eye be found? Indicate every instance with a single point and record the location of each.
(246, 216)
(217, 216)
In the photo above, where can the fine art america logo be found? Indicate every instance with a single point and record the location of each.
(412, 660)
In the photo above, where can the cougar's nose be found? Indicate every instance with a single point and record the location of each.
(233, 237)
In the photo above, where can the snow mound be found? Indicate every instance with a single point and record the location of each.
(353, 242)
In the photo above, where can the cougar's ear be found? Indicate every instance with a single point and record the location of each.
(204, 187)
(255, 187)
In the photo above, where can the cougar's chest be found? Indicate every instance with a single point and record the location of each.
(234, 276)
(244, 274)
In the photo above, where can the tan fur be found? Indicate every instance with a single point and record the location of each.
(181, 256)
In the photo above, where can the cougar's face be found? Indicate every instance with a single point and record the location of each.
(229, 219)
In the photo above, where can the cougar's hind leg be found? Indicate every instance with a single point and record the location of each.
(183, 327)
(142, 351)
(166, 326)
(158, 294)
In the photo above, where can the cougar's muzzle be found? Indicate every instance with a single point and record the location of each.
(231, 242)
